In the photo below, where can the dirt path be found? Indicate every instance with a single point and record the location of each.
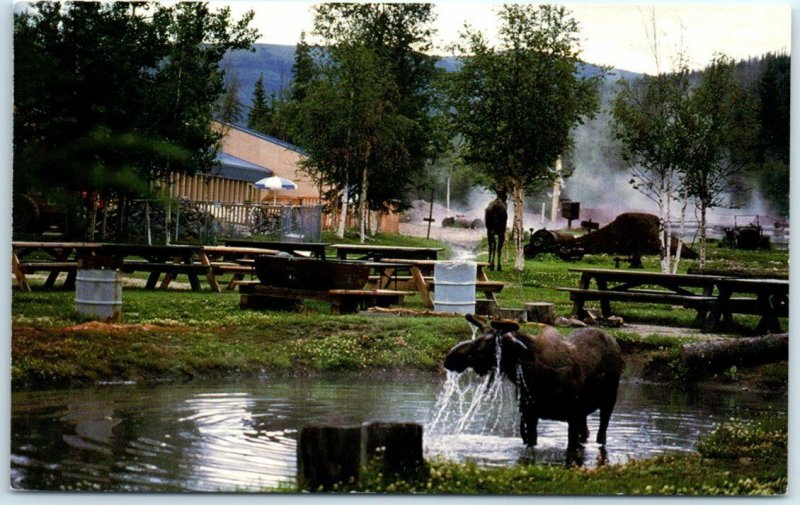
(463, 241)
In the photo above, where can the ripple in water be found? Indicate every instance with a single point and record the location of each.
(242, 436)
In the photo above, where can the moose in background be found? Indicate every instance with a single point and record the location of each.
(496, 218)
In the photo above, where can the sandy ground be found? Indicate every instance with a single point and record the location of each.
(463, 240)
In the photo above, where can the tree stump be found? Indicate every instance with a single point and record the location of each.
(331, 455)
(327, 455)
(398, 446)
(722, 354)
(541, 312)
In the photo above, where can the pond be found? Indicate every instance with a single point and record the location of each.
(240, 436)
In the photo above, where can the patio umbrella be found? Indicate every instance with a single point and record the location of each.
(275, 183)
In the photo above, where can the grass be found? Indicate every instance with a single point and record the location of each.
(181, 335)
(737, 458)
(207, 334)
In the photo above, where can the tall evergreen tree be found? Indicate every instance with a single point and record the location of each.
(260, 116)
(229, 107)
(109, 96)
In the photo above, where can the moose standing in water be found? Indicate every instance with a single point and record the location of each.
(556, 378)
(496, 218)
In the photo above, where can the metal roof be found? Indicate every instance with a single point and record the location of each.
(238, 169)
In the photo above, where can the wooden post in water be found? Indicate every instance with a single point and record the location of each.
(397, 445)
(327, 455)
(330, 455)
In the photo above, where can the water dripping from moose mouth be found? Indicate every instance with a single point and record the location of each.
(477, 418)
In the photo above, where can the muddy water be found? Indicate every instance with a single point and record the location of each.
(241, 435)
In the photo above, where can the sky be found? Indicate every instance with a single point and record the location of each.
(618, 35)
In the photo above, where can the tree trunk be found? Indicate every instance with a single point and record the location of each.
(343, 215)
(168, 216)
(397, 447)
(667, 229)
(540, 312)
(327, 455)
(363, 206)
(725, 353)
(677, 260)
(147, 231)
(519, 195)
(703, 209)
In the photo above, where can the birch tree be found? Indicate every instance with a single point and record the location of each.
(647, 123)
(516, 103)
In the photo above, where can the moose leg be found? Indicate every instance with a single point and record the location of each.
(491, 250)
(500, 239)
(605, 416)
(576, 431)
(528, 425)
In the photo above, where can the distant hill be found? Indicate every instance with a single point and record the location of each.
(275, 63)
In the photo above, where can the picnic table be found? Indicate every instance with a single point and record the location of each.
(691, 291)
(710, 295)
(770, 300)
(421, 279)
(60, 257)
(169, 260)
(379, 252)
(315, 249)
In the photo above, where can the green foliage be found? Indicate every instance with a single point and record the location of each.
(362, 104)
(738, 458)
(515, 105)
(229, 107)
(765, 438)
(260, 116)
(109, 96)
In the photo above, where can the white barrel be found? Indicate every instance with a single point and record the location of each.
(454, 286)
(98, 294)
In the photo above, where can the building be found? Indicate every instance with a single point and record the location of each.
(247, 156)
(280, 157)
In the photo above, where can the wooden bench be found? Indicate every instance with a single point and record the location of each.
(480, 286)
(402, 282)
(54, 267)
(643, 296)
(191, 270)
(343, 301)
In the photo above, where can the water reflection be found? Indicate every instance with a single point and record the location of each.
(241, 436)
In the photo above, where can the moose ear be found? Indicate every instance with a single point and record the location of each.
(505, 325)
(476, 321)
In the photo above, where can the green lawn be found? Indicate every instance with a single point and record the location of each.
(181, 335)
